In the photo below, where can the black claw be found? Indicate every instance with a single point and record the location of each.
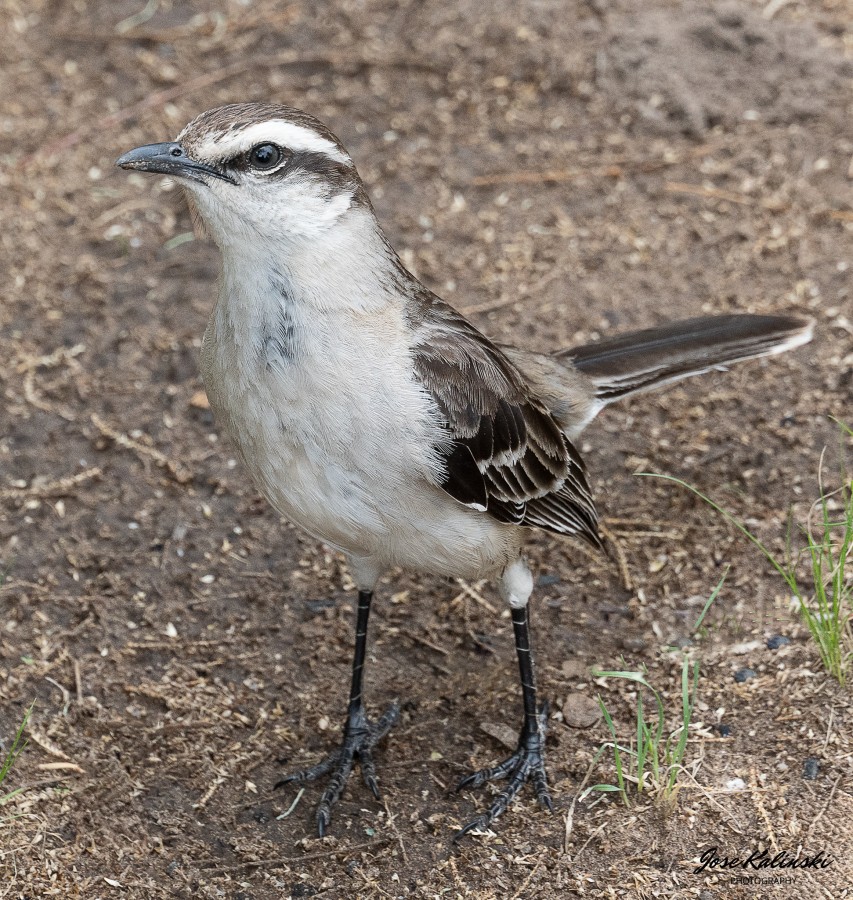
(481, 823)
(526, 764)
(368, 772)
(540, 785)
(360, 737)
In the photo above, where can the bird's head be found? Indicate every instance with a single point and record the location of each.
(257, 172)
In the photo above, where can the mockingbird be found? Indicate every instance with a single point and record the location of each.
(376, 417)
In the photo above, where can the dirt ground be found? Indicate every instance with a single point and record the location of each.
(559, 170)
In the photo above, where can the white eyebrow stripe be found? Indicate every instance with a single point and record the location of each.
(275, 131)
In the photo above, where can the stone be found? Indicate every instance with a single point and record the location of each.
(581, 711)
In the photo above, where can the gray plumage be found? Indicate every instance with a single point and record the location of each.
(380, 420)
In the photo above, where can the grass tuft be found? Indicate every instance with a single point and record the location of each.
(827, 608)
(19, 742)
(653, 764)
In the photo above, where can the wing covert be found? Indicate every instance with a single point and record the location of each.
(506, 453)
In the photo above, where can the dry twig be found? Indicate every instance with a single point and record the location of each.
(570, 815)
(822, 810)
(712, 193)
(621, 558)
(393, 826)
(474, 593)
(756, 792)
(616, 168)
(180, 473)
(54, 488)
(290, 860)
(28, 365)
(527, 880)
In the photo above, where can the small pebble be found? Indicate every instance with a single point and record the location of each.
(580, 711)
(547, 580)
(681, 643)
(744, 675)
(315, 607)
(777, 641)
(633, 644)
(300, 889)
(723, 730)
(811, 767)
(608, 609)
(575, 668)
(745, 647)
(501, 733)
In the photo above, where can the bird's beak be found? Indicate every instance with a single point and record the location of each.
(169, 159)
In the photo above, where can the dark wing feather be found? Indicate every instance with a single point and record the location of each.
(506, 453)
(463, 479)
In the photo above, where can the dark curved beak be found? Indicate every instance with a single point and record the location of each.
(169, 159)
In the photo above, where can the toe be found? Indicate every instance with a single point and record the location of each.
(322, 768)
(540, 785)
(324, 818)
(368, 772)
(386, 722)
(526, 764)
(502, 770)
(358, 739)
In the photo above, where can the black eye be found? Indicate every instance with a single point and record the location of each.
(264, 156)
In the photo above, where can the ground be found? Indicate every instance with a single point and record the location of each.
(559, 170)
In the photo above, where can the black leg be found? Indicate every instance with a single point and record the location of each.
(528, 761)
(362, 616)
(360, 735)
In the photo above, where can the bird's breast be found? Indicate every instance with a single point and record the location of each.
(327, 418)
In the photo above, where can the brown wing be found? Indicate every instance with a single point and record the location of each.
(507, 455)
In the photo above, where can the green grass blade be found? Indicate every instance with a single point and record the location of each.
(710, 600)
(18, 745)
(786, 573)
(828, 611)
(617, 755)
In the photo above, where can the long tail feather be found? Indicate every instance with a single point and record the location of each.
(642, 360)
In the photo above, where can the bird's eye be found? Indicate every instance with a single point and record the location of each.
(264, 156)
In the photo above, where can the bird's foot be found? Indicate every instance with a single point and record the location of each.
(360, 737)
(526, 764)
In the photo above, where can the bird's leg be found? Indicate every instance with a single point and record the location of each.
(528, 761)
(360, 735)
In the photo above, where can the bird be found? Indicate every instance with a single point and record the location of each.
(377, 418)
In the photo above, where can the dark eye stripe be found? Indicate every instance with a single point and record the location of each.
(337, 175)
(323, 167)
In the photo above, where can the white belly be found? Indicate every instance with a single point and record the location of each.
(341, 441)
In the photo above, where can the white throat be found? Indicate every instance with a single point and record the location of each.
(283, 296)
(346, 266)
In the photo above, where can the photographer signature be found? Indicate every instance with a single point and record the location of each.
(710, 859)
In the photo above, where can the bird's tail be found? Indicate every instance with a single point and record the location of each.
(643, 360)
